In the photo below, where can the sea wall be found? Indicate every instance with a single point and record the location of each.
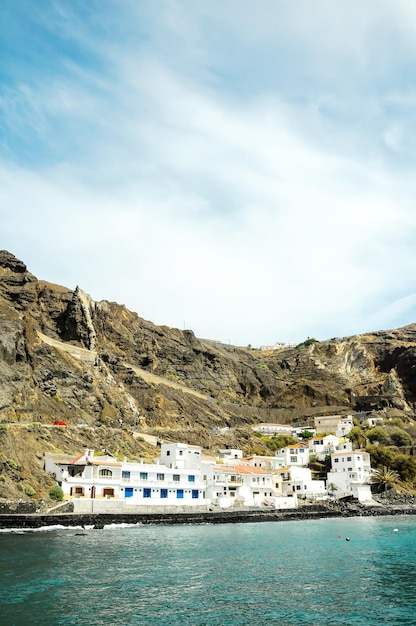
(202, 517)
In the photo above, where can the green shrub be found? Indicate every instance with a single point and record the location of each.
(264, 366)
(381, 455)
(56, 493)
(2, 478)
(309, 341)
(29, 491)
(377, 434)
(279, 441)
(401, 438)
(405, 465)
(11, 463)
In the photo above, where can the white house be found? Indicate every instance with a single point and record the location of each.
(180, 455)
(230, 455)
(240, 485)
(350, 473)
(273, 429)
(154, 484)
(296, 454)
(373, 421)
(298, 480)
(266, 462)
(337, 424)
(322, 446)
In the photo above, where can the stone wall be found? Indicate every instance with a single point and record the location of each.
(17, 507)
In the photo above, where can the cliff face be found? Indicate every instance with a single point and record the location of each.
(63, 356)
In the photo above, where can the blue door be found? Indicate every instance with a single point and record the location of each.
(128, 492)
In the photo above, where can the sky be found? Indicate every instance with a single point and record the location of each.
(241, 168)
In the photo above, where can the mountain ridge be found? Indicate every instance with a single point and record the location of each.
(66, 357)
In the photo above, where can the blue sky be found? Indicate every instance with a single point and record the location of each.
(241, 168)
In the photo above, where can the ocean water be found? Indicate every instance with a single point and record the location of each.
(213, 575)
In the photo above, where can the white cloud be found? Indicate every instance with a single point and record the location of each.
(249, 216)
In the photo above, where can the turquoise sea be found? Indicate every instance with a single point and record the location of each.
(213, 575)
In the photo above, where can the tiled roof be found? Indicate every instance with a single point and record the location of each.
(349, 453)
(248, 469)
(112, 463)
(259, 457)
(271, 425)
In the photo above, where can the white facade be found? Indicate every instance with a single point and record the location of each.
(298, 480)
(350, 473)
(337, 424)
(297, 454)
(240, 484)
(180, 455)
(139, 483)
(273, 429)
(324, 446)
(230, 455)
(265, 462)
(186, 481)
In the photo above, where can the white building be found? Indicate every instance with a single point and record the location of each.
(239, 484)
(180, 455)
(337, 424)
(179, 477)
(273, 429)
(269, 463)
(324, 446)
(230, 455)
(350, 473)
(155, 484)
(298, 480)
(296, 454)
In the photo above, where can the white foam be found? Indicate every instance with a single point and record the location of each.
(42, 529)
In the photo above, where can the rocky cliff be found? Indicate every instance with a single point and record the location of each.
(106, 372)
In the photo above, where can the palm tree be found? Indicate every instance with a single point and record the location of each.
(332, 488)
(385, 476)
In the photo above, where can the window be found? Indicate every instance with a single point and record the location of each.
(293, 459)
(301, 451)
(191, 478)
(143, 475)
(297, 487)
(109, 493)
(105, 472)
(195, 494)
(180, 452)
(176, 478)
(350, 469)
(179, 493)
(160, 476)
(163, 493)
(348, 458)
(125, 475)
(168, 453)
(336, 460)
(147, 493)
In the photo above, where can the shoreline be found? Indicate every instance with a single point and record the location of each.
(33, 521)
